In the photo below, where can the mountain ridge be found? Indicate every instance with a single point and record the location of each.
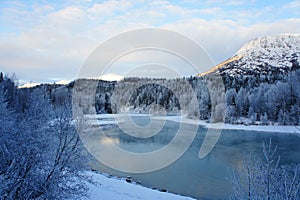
(265, 55)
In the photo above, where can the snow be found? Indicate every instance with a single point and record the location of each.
(268, 128)
(116, 189)
(260, 54)
(102, 119)
(103, 116)
(63, 82)
(28, 85)
(184, 119)
(271, 46)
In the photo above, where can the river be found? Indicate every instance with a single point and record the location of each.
(207, 178)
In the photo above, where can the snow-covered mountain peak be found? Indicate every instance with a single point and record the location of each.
(266, 55)
(283, 43)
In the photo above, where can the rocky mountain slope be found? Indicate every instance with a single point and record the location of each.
(266, 55)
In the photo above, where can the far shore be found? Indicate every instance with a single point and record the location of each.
(102, 119)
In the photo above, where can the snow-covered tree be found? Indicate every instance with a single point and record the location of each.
(40, 156)
(264, 178)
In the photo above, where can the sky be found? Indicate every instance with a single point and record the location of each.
(49, 40)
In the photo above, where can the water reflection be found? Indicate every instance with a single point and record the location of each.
(109, 141)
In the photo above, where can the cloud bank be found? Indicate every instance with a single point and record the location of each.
(40, 40)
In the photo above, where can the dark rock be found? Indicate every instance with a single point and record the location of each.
(128, 180)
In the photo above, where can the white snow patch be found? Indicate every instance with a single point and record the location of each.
(111, 77)
(116, 189)
(28, 85)
(63, 82)
(103, 116)
(102, 119)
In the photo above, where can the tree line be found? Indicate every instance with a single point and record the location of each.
(243, 99)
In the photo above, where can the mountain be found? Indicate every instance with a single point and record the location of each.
(30, 84)
(268, 55)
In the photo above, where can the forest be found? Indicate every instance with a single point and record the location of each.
(259, 99)
(41, 154)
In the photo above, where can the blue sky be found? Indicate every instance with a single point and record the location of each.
(46, 41)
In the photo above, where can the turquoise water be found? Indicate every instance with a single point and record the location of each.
(200, 178)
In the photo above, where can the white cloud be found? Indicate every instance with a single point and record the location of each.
(44, 41)
(108, 8)
(294, 5)
(67, 18)
(235, 2)
(43, 9)
(230, 2)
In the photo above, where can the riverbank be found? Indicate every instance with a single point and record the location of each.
(261, 128)
(103, 119)
(113, 188)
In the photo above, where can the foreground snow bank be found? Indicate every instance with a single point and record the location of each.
(116, 189)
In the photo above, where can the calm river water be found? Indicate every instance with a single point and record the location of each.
(206, 178)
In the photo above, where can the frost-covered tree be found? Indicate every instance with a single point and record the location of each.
(245, 96)
(264, 119)
(265, 178)
(40, 151)
(7, 133)
(242, 102)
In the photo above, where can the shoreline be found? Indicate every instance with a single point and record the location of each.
(102, 119)
(115, 188)
(259, 128)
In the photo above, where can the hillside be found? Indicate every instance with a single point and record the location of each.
(268, 55)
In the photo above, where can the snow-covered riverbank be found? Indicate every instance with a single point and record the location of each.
(103, 119)
(262, 128)
(116, 189)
